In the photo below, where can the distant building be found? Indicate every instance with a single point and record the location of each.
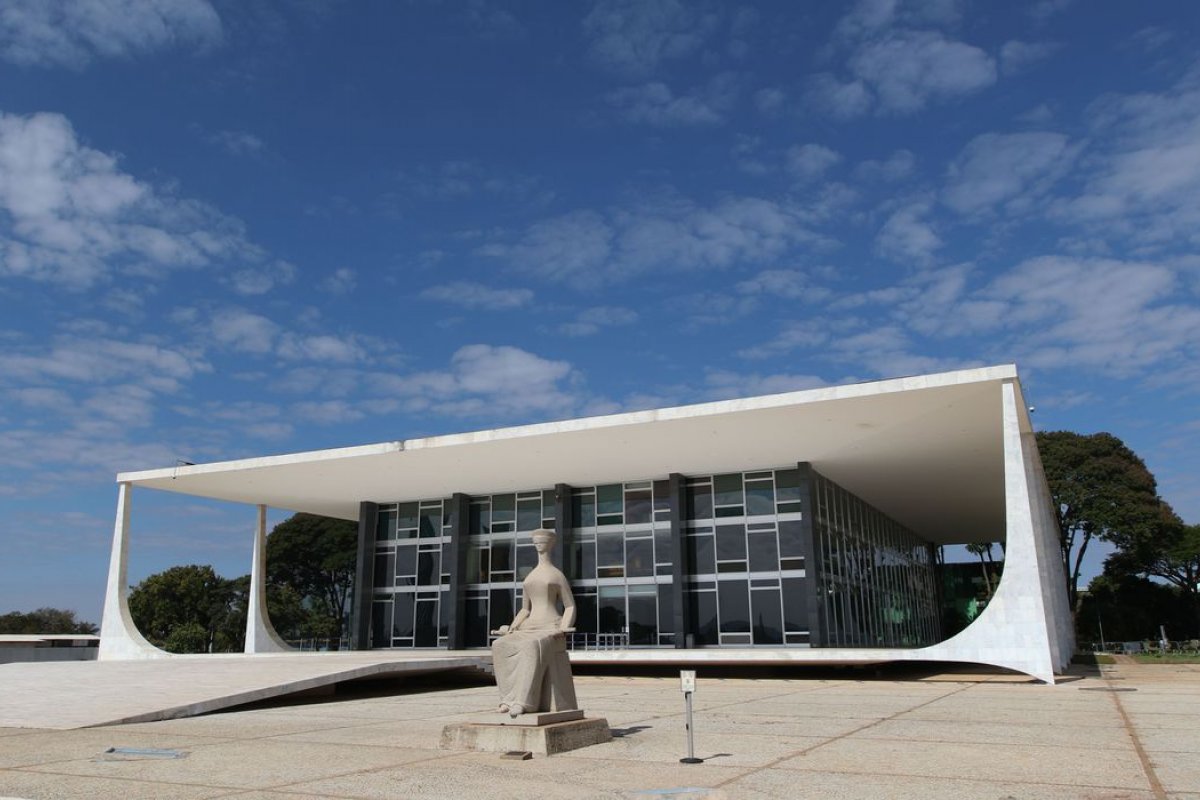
(49, 647)
(793, 527)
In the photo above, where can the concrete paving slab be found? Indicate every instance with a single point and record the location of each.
(986, 732)
(1017, 764)
(40, 748)
(78, 694)
(49, 785)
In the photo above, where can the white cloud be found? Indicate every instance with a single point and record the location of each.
(323, 348)
(99, 360)
(907, 237)
(1006, 169)
(655, 104)
(262, 279)
(74, 32)
(342, 281)
(842, 99)
(635, 36)
(725, 384)
(770, 100)
(1017, 56)
(243, 331)
(69, 216)
(808, 162)
(789, 284)
(591, 320)
(488, 380)
(475, 295)
(909, 69)
(238, 143)
(897, 166)
(588, 248)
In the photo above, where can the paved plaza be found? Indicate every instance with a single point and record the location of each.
(828, 735)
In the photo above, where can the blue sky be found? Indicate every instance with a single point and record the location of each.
(238, 227)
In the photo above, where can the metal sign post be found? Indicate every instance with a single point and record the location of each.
(687, 684)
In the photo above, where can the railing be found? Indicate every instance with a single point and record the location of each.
(320, 645)
(597, 641)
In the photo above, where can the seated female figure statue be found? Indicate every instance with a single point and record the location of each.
(530, 655)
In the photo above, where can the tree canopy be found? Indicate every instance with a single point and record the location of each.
(1101, 490)
(44, 620)
(191, 609)
(311, 558)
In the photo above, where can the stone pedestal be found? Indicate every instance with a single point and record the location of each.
(501, 734)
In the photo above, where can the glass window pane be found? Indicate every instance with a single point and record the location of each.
(408, 515)
(702, 555)
(666, 608)
(585, 613)
(764, 555)
(406, 561)
(727, 489)
(431, 522)
(526, 560)
(426, 624)
(699, 502)
(731, 542)
(501, 610)
(385, 526)
(611, 609)
(767, 616)
(790, 542)
(787, 486)
(608, 499)
(502, 556)
(662, 496)
(402, 615)
(583, 510)
(662, 546)
(795, 604)
(479, 520)
(760, 498)
(529, 515)
(638, 507)
(504, 508)
(639, 558)
(428, 570)
(610, 549)
(704, 617)
(381, 623)
(643, 619)
(385, 570)
(734, 597)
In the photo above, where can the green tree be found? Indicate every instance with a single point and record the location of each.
(1101, 490)
(315, 557)
(44, 620)
(1170, 553)
(1124, 607)
(191, 609)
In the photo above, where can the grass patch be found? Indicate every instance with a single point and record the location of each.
(1167, 658)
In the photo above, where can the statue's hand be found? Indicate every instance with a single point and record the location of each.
(503, 630)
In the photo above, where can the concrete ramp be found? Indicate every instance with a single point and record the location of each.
(89, 693)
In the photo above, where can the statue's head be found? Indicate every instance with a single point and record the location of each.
(543, 539)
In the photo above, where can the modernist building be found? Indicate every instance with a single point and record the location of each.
(791, 527)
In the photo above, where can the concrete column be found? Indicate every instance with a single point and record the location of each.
(680, 597)
(456, 555)
(120, 640)
(814, 602)
(260, 633)
(562, 524)
(364, 577)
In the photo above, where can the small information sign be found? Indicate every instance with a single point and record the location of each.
(687, 680)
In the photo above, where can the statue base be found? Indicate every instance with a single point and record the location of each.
(502, 736)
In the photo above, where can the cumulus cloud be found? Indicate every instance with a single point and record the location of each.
(907, 236)
(70, 216)
(591, 320)
(635, 36)
(238, 143)
(1017, 56)
(656, 105)
(588, 248)
(789, 284)
(343, 280)
(726, 384)
(1008, 170)
(475, 295)
(909, 69)
(261, 279)
(897, 166)
(807, 162)
(74, 32)
(486, 379)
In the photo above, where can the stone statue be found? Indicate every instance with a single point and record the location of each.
(530, 655)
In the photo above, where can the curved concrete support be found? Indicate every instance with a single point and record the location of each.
(120, 640)
(1027, 625)
(260, 633)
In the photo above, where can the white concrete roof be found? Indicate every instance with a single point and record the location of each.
(927, 450)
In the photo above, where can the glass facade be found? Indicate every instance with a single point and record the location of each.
(771, 558)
